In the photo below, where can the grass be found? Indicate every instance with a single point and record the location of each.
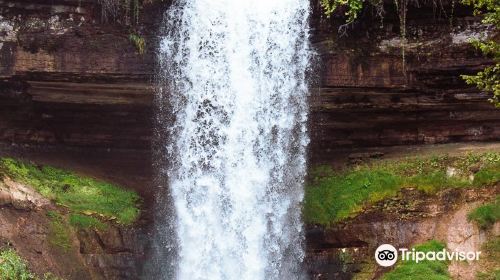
(486, 215)
(85, 222)
(332, 196)
(81, 195)
(13, 267)
(423, 270)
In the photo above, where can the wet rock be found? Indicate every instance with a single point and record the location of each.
(114, 253)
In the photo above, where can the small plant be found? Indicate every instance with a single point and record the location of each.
(486, 215)
(139, 43)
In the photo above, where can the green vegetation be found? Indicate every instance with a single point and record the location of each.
(487, 80)
(490, 275)
(491, 255)
(127, 11)
(85, 222)
(58, 235)
(491, 249)
(352, 8)
(486, 215)
(332, 196)
(80, 195)
(13, 267)
(124, 11)
(139, 43)
(423, 270)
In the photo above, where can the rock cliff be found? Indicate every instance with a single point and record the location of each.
(68, 78)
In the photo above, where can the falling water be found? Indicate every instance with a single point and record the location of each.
(233, 112)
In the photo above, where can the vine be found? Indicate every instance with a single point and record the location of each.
(402, 9)
(127, 11)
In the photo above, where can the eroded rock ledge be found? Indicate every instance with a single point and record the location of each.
(68, 79)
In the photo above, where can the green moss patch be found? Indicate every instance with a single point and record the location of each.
(423, 270)
(486, 215)
(86, 222)
(58, 231)
(332, 196)
(81, 195)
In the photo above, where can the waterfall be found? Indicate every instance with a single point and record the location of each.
(232, 119)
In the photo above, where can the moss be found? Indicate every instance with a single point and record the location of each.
(86, 222)
(81, 195)
(486, 215)
(58, 231)
(423, 270)
(338, 196)
(332, 196)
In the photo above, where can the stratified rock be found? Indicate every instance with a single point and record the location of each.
(66, 79)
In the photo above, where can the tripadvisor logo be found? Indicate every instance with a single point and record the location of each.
(387, 255)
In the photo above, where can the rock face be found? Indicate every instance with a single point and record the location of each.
(116, 253)
(372, 95)
(64, 79)
(25, 226)
(68, 79)
(403, 221)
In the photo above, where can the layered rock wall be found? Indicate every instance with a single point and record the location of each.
(68, 78)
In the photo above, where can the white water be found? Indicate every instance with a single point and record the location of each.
(233, 82)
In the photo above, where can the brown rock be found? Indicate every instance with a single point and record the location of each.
(20, 196)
